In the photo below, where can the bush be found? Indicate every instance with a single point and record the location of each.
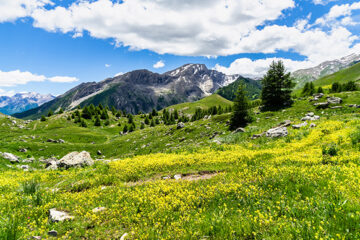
(43, 118)
(331, 150)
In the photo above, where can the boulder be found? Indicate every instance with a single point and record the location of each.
(256, 136)
(177, 177)
(53, 233)
(277, 132)
(180, 125)
(310, 114)
(239, 130)
(23, 150)
(61, 141)
(11, 157)
(285, 123)
(334, 100)
(318, 95)
(322, 105)
(298, 126)
(312, 125)
(52, 165)
(59, 216)
(99, 153)
(308, 118)
(75, 159)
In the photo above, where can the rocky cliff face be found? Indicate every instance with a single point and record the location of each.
(326, 68)
(22, 101)
(141, 90)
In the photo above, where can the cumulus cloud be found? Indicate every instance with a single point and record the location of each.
(257, 68)
(107, 65)
(339, 15)
(10, 10)
(13, 78)
(322, 2)
(159, 64)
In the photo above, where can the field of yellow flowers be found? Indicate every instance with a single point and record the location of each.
(304, 186)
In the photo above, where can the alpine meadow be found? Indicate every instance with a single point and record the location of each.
(179, 119)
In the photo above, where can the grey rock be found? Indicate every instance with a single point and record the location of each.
(177, 177)
(99, 153)
(298, 126)
(99, 209)
(242, 130)
(310, 114)
(11, 157)
(61, 141)
(285, 123)
(312, 125)
(334, 100)
(75, 159)
(124, 236)
(322, 105)
(277, 132)
(59, 216)
(53, 233)
(180, 125)
(337, 107)
(23, 150)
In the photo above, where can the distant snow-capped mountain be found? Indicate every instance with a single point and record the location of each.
(326, 68)
(22, 102)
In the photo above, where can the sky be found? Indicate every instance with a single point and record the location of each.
(50, 46)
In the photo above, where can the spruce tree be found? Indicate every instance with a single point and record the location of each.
(50, 113)
(240, 116)
(152, 123)
(142, 126)
(61, 111)
(320, 90)
(97, 121)
(277, 87)
(125, 129)
(43, 118)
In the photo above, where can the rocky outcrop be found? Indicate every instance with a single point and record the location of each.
(277, 132)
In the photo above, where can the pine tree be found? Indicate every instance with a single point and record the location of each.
(50, 113)
(176, 114)
(104, 115)
(154, 113)
(320, 90)
(97, 121)
(147, 121)
(152, 123)
(43, 118)
(312, 89)
(277, 87)
(125, 129)
(142, 126)
(61, 111)
(157, 121)
(305, 89)
(240, 116)
(113, 110)
(130, 119)
(86, 113)
(83, 123)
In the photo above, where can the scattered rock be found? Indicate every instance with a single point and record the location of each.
(298, 126)
(23, 150)
(334, 100)
(52, 165)
(61, 141)
(24, 167)
(310, 114)
(277, 132)
(180, 125)
(322, 105)
(318, 95)
(337, 107)
(50, 140)
(75, 159)
(285, 123)
(177, 177)
(99, 209)
(11, 157)
(53, 233)
(242, 130)
(353, 106)
(312, 125)
(124, 236)
(256, 136)
(310, 117)
(59, 216)
(99, 153)
(36, 237)
(28, 160)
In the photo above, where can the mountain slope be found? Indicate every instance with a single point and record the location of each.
(141, 90)
(324, 69)
(205, 103)
(22, 101)
(349, 74)
(252, 87)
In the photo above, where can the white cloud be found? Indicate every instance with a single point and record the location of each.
(6, 93)
(201, 27)
(13, 78)
(257, 68)
(322, 2)
(107, 65)
(159, 64)
(61, 79)
(10, 10)
(339, 15)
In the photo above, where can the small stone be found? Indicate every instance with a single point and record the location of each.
(124, 236)
(61, 141)
(36, 237)
(99, 153)
(239, 130)
(99, 209)
(53, 233)
(177, 177)
(312, 125)
(23, 150)
(298, 126)
(180, 125)
(59, 216)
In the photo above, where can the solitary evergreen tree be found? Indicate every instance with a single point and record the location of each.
(50, 113)
(97, 121)
(43, 118)
(157, 121)
(104, 115)
(240, 116)
(305, 89)
(130, 119)
(61, 111)
(277, 87)
(147, 121)
(154, 112)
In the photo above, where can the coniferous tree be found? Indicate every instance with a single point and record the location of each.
(61, 111)
(113, 110)
(176, 114)
(130, 119)
(50, 113)
(154, 113)
(125, 129)
(43, 118)
(147, 121)
(86, 113)
(320, 90)
(277, 87)
(97, 121)
(241, 115)
(83, 123)
(157, 121)
(142, 126)
(152, 124)
(101, 106)
(104, 115)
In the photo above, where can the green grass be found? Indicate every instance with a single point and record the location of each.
(349, 74)
(205, 103)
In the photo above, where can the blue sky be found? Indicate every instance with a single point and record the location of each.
(51, 46)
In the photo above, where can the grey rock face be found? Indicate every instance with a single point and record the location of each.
(75, 159)
(59, 216)
(277, 132)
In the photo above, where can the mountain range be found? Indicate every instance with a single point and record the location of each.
(326, 68)
(22, 102)
(140, 90)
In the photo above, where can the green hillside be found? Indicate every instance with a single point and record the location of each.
(205, 103)
(252, 87)
(349, 74)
